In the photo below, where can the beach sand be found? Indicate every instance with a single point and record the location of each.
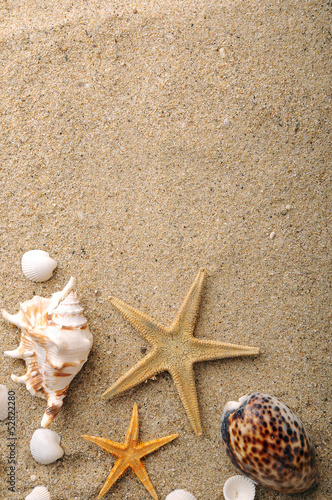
(140, 142)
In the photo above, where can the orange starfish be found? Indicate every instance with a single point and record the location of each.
(130, 453)
(175, 350)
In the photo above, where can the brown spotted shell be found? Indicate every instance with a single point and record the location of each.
(268, 443)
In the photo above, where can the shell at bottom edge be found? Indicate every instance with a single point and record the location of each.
(239, 488)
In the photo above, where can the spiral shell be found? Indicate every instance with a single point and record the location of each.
(45, 446)
(37, 265)
(239, 488)
(268, 443)
(39, 493)
(3, 402)
(180, 495)
(55, 343)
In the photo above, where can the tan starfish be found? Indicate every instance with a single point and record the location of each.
(174, 350)
(130, 453)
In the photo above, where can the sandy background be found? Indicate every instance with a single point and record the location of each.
(139, 142)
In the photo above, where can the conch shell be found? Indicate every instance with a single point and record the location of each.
(55, 343)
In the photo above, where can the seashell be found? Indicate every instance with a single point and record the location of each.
(37, 265)
(55, 343)
(3, 402)
(39, 493)
(268, 443)
(239, 488)
(45, 446)
(180, 495)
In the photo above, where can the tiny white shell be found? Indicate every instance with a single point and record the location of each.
(37, 265)
(239, 488)
(180, 495)
(3, 402)
(45, 446)
(222, 52)
(39, 493)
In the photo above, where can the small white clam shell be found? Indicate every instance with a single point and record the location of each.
(180, 495)
(239, 488)
(37, 265)
(39, 493)
(45, 446)
(3, 402)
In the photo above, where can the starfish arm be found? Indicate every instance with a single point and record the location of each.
(119, 468)
(184, 381)
(150, 446)
(132, 433)
(140, 471)
(147, 327)
(187, 315)
(107, 445)
(209, 349)
(143, 370)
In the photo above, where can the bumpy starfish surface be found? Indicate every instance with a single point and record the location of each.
(129, 454)
(174, 350)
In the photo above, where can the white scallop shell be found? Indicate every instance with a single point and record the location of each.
(37, 265)
(39, 493)
(3, 402)
(180, 495)
(45, 446)
(239, 488)
(55, 344)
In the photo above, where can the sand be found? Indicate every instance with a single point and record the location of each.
(139, 142)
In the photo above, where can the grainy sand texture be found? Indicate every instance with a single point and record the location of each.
(141, 141)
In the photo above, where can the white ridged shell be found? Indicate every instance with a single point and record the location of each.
(239, 488)
(3, 402)
(180, 495)
(39, 493)
(55, 344)
(45, 446)
(37, 265)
